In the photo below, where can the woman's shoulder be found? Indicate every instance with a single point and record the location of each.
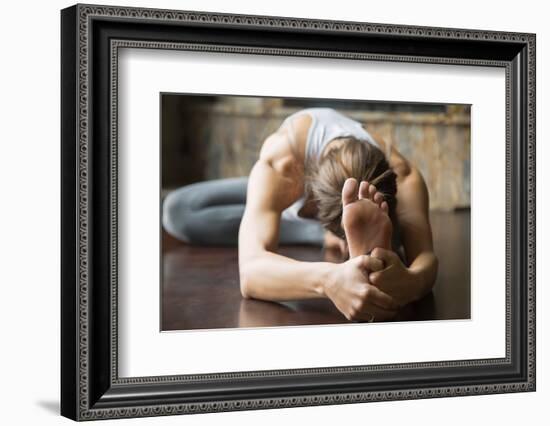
(301, 121)
(279, 152)
(397, 161)
(290, 138)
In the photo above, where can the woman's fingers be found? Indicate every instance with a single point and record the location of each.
(372, 264)
(380, 314)
(377, 297)
(369, 311)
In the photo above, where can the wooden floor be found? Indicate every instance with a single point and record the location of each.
(200, 285)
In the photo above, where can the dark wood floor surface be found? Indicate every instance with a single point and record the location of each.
(200, 285)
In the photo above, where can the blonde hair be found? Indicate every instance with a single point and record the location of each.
(353, 158)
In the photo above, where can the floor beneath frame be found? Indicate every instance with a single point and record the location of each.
(200, 288)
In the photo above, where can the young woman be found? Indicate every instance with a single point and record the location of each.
(321, 178)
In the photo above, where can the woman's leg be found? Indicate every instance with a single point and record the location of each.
(309, 232)
(206, 212)
(210, 213)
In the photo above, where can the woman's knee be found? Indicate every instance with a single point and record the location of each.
(174, 217)
(193, 212)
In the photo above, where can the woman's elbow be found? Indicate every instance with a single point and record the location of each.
(246, 281)
(251, 274)
(245, 287)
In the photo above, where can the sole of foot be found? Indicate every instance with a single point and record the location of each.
(365, 218)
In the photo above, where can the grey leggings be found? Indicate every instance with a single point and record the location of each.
(210, 212)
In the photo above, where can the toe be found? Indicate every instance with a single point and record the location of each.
(378, 198)
(384, 207)
(364, 190)
(372, 191)
(349, 191)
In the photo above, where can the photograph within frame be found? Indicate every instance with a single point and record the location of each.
(209, 143)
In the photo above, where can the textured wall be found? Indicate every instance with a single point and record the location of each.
(205, 138)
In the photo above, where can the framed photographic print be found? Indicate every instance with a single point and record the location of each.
(263, 212)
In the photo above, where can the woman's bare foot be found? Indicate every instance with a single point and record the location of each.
(365, 218)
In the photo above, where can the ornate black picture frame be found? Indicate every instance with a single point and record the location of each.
(90, 385)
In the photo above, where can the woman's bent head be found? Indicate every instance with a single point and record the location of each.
(348, 158)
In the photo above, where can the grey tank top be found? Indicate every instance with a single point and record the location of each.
(326, 125)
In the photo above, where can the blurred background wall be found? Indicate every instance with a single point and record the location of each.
(210, 137)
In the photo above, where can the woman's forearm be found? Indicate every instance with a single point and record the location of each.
(424, 270)
(270, 276)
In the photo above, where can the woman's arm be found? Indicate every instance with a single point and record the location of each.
(414, 221)
(409, 282)
(263, 273)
